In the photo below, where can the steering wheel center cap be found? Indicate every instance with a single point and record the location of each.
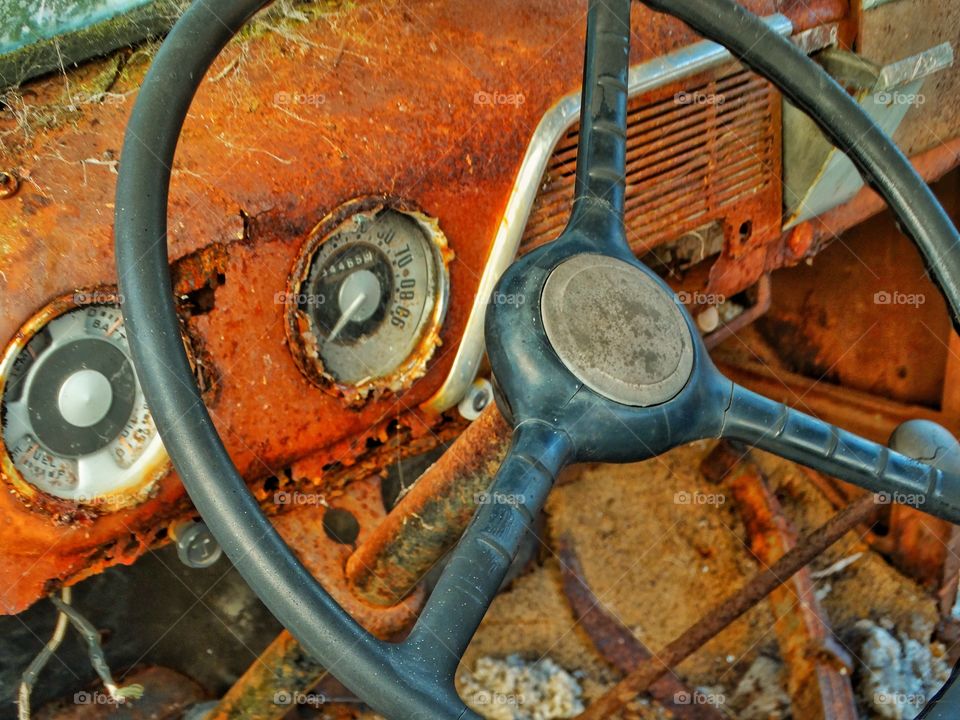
(617, 330)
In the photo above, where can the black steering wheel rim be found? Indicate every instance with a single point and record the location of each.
(414, 680)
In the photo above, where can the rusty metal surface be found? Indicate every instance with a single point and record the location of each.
(819, 669)
(327, 559)
(284, 669)
(868, 415)
(614, 641)
(40, 554)
(294, 119)
(890, 32)
(699, 151)
(722, 460)
(868, 291)
(810, 237)
(430, 518)
(752, 592)
(736, 268)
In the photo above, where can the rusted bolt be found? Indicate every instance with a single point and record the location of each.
(800, 239)
(9, 184)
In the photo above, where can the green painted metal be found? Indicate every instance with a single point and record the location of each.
(38, 36)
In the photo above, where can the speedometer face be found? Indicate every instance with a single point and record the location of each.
(75, 421)
(374, 289)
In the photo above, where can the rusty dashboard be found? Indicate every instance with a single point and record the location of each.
(366, 118)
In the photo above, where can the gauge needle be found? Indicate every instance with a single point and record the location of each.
(347, 314)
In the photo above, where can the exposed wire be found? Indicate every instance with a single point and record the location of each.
(97, 657)
(30, 675)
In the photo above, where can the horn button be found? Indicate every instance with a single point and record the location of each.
(618, 330)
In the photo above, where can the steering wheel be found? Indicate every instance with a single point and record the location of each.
(601, 363)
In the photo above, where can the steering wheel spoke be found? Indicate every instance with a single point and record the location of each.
(600, 183)
(601, 363)
(480, 561)
(794, 435)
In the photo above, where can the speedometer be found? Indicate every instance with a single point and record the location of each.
(369, 299)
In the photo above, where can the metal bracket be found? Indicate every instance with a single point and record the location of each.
(817, 176)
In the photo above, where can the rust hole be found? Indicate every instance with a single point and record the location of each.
(202, 300)
(341, 526)
(9, 184)
(746, 230)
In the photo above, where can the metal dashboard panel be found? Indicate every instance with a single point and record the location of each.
(900, 28)
(295, 118)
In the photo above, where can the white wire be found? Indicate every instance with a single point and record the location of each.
(29, 676)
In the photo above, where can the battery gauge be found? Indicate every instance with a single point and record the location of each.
(75, 421)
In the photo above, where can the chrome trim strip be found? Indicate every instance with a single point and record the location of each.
(647, 76)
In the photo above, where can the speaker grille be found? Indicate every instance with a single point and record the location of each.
(697, 152)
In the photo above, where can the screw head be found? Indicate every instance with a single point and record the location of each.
(196, 546)
(477, 398)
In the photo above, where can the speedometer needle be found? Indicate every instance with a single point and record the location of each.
(347, 314)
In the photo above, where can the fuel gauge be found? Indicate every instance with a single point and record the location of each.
(75, 421)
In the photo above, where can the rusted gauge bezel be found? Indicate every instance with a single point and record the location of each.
(299, 324)
(32, 496)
